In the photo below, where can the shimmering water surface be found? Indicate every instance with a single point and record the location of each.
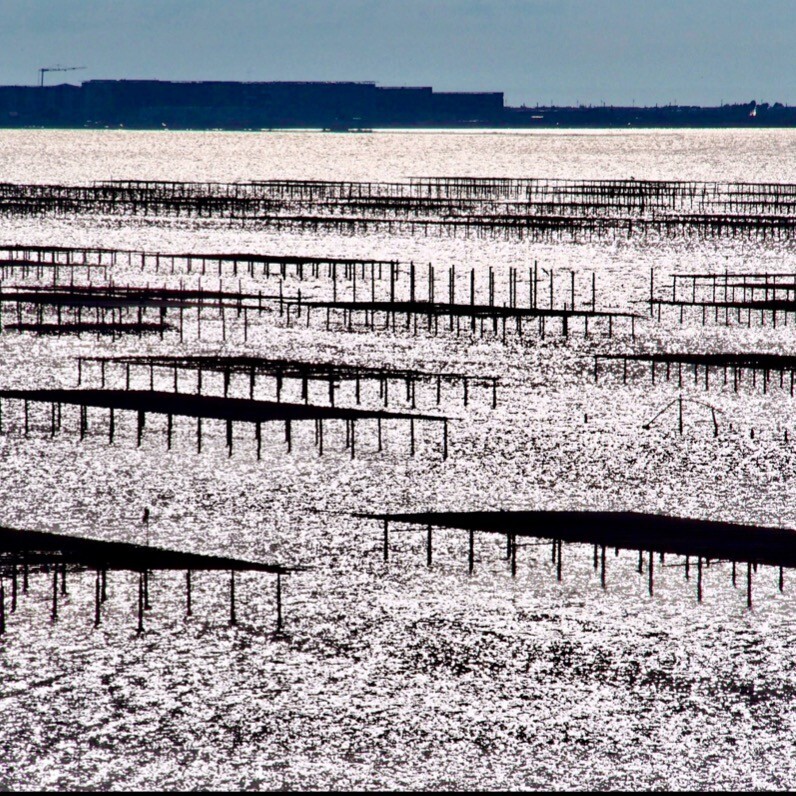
(397, 676)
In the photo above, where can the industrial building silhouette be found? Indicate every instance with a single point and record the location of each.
(155, 104)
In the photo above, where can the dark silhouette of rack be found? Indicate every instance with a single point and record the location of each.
(707, 541)
(282, 369)
(536, 208)
(727, 368)
(205, 407)
(25, 554)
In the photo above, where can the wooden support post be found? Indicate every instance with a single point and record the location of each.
(278, 602)
(602, 566)
(572, 292)
(651, 573)
(97, 599)
(386, 540)
(54, 613)
(680, 415)
(558, 562)
(652, 292)
(188, 606)
(471, 552)
(429, 541)
(699, 579)
(233, 620)
(513, 555)
(140, 628)
(749, 584)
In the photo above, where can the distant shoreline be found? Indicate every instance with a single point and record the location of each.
(339, 107)
(549, 128)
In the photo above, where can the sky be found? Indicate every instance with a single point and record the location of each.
(536, 51)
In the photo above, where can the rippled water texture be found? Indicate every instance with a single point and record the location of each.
(400, 676)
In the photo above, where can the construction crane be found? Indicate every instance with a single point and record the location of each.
(55, 69)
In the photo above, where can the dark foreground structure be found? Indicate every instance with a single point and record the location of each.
(25, 554)
(158, 104)
(706, 541)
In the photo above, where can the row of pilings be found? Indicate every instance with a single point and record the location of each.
(543, 209)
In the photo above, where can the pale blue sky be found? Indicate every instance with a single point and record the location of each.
(617, 51)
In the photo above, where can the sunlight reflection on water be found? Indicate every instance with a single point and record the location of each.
(396, 676)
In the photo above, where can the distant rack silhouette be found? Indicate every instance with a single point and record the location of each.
(475, 314)
(404, 281)
(706, 540)
(537, 208)
(99, 328)
(729, 297)
(51, 260)
(545, 302)
(205, 407)
(25, 553)
(118, 301)
(281, 369)
(115, 296)
(722, 364)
